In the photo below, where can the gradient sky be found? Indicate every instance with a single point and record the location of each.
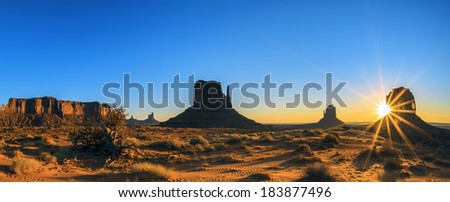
(69, 49)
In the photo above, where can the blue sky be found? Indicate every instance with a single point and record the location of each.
(69, 49)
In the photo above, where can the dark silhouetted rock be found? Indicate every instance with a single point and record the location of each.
(211, 109)
(329, 119)
(150, 121)
(403, 119)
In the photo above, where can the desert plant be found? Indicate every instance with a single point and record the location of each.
(114, 121)
(17, 154)
(318, 172)
(199, 140)
(266, 137)
(151, 172)
(234, 139)
(392, 164)
(23, 165)
(47, 157)
(303, 148)
(330, 140)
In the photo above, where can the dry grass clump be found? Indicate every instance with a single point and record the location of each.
(389, 151)
(148, 172)
(228, 159)
(199, 140)
(234, 139)
(304, 159)
(392, 170)
(23, 165)
(318, 172)
(266, 137)
(17, 154)
(303, 149)
(257, 177)
(47, 157)
(331, 140)
(170, 144)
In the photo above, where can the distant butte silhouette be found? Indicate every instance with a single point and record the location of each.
(329, 119)
(211, 109)
(150, 121)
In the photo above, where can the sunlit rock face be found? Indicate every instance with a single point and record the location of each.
(211, 109)
(48, 110)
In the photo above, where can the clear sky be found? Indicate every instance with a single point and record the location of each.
(69, 49)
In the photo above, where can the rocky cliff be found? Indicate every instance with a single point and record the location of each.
(68, 111)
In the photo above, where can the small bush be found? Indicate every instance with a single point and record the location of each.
(389, 151)
(234, 139)
(318, 172)
(23, 165)
(47, 157)
(151, 172)
(266, 137)
(303, 159)
(303, 148)
(89, 139)
(392, 164)
(199, 140)
(17, 154)
(170, 144)
(330, 140)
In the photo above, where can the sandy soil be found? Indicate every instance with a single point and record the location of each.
(226, 155)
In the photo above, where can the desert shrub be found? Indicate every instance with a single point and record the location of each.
(17, 154)
(257, 177)
(171, 144)
(228, 159)
(330, 140)
(23, 165)
(266, 137)
(389, 151)
(312, 132)
(303, 148)
(234, 139)
(89, 139)
(304, 159)
(47, 157)
(64, 154)
(220, 147)
(392, 164)
(151, 172)
(45, 140)
(199, 140)
(318, 172)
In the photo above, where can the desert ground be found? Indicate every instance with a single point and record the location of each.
(211, 155)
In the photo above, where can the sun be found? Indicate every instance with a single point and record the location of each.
(383, 109)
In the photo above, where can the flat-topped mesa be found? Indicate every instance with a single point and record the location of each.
(50, 105)
(42, 110)
(209, 95)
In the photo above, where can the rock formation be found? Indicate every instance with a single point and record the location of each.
(403, 117)
(211, 109)
(44, 108)
(329, 119)
(150, 121)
